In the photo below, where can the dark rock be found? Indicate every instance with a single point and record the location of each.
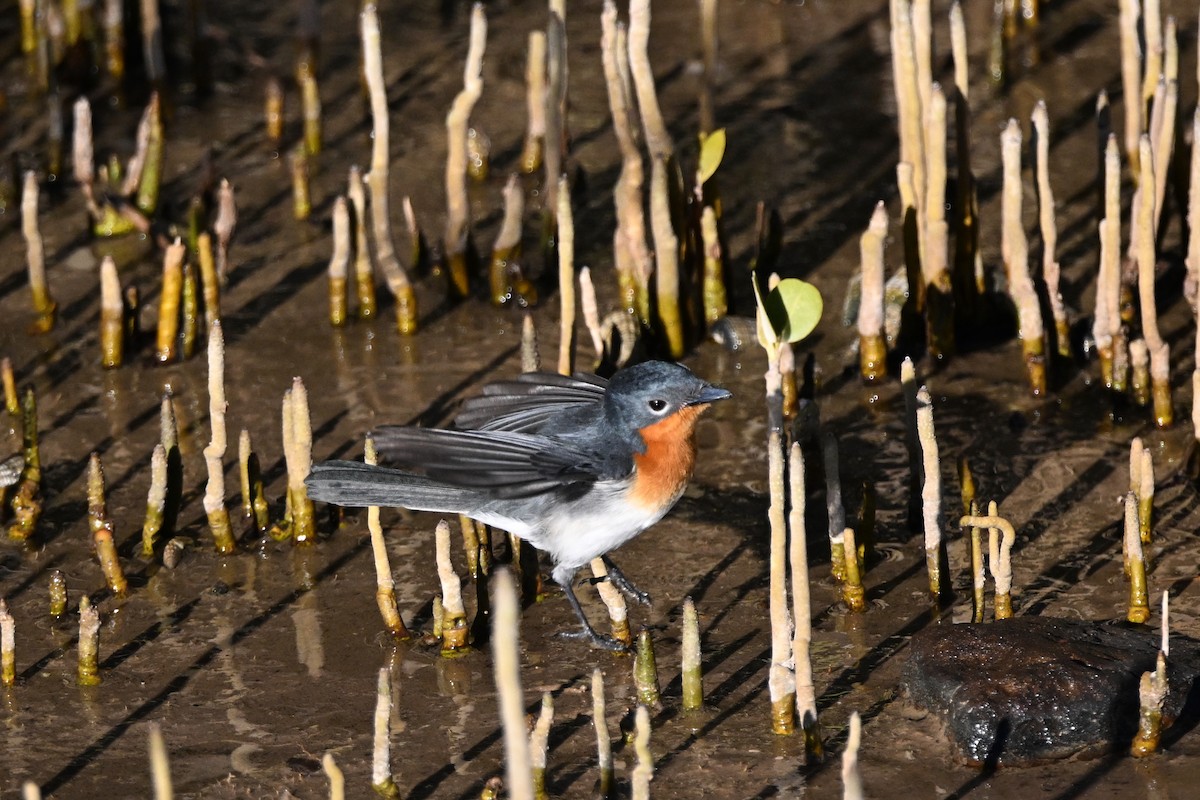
(1032, 689)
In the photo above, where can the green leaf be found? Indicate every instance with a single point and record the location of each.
(712, 150)
(793, 308)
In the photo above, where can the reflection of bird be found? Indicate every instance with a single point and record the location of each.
(575, 466)
(10, 470)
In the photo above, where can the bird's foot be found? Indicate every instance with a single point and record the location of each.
(625, 585)
(596, 640)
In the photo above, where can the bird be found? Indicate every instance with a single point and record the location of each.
(576, 466)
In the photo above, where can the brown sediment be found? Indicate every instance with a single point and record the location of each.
(166, 341)
(273, 109)
(58, 593)
(223, 227)
(381, 760)
(26, 503)
(1152, 691)
(210, 283)
(535, 103)
(377, 178)
(44, 306)
(666, 256)
(214, 453)
(301, 197)
(852, 588)
(364, 275)
(12, 402)
(872, 342)
(112, 316)
(88, 670)
(716, 305)
(631, 254)
(806, 701)
(780, 678)
(156, 501)
(1015, 251)
(614, 601)
(102, 529)
(566, 279)
(645, 671)
(454, 621)
(458, 209)
(310, 104)
(603, 738)
(339, 262)
(1049, 230)
(8, 647)
(539, 744)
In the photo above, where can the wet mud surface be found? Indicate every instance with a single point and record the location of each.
(257, 664)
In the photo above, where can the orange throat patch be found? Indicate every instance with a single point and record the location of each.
(662, 472)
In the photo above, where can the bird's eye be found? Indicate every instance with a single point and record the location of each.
(658, 406)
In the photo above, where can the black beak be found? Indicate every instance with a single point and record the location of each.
(710, 394)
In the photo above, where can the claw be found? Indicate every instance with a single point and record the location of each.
(596, 640)
(625, 585)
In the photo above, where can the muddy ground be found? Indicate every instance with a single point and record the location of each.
(257, 664)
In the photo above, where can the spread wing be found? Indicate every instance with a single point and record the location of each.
(530, 401)
(505, 463)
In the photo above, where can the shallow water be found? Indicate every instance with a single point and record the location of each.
(257, 664)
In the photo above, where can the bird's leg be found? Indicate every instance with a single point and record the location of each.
(624, 584)
(587, 632)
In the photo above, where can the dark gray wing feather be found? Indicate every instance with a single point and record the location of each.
(503, 463)
(530, 402)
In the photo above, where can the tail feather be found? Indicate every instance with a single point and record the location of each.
(352, 483)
